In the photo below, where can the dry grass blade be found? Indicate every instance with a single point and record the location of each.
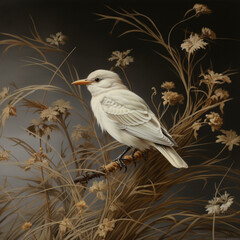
(148, 201)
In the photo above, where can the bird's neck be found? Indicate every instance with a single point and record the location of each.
(99, 91)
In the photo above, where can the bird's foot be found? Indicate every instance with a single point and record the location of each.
(120, 159)
(121, 163)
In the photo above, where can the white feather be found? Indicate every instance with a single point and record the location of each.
(172, 156)
(127, 117)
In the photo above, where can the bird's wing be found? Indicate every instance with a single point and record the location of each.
(132, 114)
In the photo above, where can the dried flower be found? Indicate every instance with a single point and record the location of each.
(30, 162)
(81, 132)
(193, 43)
(213, 207)
(4, 92)
(57, 39)
(168, 85)
(98, 187)
(106, 226)
(172, 98)
(34, 127)
(226, 201)
(80, 205)
(4, 155)
(65, 225)
(214, 120)
(49, 114)
(196, 126)
(208, 33)
(214, 78)
(9, 110)
(201, 9)
(122, 58)
(219, 204)
(26, 226)
(40, 127)
(36, 157)
(230, 138)
(61, 106)
(219, 94)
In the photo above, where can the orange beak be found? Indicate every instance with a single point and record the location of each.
(81, 82)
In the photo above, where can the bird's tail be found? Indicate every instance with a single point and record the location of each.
(172, 156)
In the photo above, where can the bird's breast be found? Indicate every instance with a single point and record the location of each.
(103, 120)
(98, 112)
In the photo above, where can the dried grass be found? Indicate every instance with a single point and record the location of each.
(148, 201)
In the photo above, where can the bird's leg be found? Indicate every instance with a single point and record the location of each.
(134, 160)
(120, 159)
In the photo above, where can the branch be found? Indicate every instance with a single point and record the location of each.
(109, 168)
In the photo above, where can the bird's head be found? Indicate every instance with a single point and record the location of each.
(101, 81)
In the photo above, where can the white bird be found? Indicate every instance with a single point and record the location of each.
(127, 117)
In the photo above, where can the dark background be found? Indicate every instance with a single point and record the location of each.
(94, 45)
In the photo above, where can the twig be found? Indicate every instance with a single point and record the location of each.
(64, 126)
(109, 168)
(46, 192)
(213, 227)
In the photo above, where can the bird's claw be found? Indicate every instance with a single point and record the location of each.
(121, 163)
(120, 159)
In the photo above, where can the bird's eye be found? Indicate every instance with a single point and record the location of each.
(97, 79)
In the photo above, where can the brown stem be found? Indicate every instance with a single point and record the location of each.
(213, 227)
(109, 168)
(46, 195)
(64, 127)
